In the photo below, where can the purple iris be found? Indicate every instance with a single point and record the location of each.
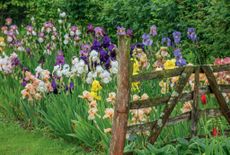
(71, 86)
(85, 59)
(107, 64)
(111, 47)
(121, 31)
(181, 62)
(96, 45)
(90, 28)
(177, 37)
(15, 61)
(99, 31)
(24, 83)
(153, 30)
(84, 53)
(103, 55)
(177, 53)
(191, 34)
(129, 33)
(167, 41)
(85, 49)
(146, 40)
(60, 59)
(28, 51)
(112, 51)
(54, 84)
(106, 41)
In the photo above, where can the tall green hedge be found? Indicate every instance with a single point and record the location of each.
(211, 18)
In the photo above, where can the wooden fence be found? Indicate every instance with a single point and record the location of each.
(123, 104)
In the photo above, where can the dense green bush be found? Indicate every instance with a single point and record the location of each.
(211, 18)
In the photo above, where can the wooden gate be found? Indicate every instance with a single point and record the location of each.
(123, 104)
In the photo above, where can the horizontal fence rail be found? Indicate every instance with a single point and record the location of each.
(163, 100)
(175, 72)
(171, 121)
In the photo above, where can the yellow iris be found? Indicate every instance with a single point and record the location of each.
(96, 86)
(170, 64)
(136, 70)
(136, 67)
(95, 95)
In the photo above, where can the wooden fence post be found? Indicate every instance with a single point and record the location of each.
(120, 119)
(195, 113)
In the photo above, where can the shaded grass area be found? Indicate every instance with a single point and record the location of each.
(17, 141)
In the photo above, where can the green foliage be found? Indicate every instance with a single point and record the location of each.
(219, 145)
(210, 18)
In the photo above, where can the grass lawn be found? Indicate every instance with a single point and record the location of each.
(17, 141)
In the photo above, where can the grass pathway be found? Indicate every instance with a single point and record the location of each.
(17, 141)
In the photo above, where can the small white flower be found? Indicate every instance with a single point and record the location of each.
(93, 53)
(89, 80)
(32, 18)
(42, 87)
(75, 60)
(9, 39)
(53, 37)
(78, 32)
(72, 33)
(99, 69)
(40, 40)
(60, 21)
(34, 33)
(66, 36)
(66, 42)
(38, 69)
(63, 14)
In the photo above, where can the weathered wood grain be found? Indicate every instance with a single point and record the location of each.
(120, 119)
(194, 113)
(175, 72)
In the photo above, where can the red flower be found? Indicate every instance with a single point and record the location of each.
(214, 132)
(203, 99)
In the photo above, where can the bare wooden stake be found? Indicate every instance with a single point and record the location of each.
(158, 126)
(216, 90)
(195, 114)
(120, 119)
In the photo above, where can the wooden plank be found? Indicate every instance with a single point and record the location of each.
(194, 113)
(163, 100)
(174, 120)
(219, 68)
(159, 74)
(223, 89)
(174, 72)
(157, 127)
(158, 101)
(120, 119)
(216, 90)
